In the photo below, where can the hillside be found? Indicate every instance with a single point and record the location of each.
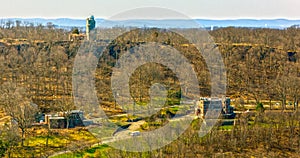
(257, 61)
(262, 65)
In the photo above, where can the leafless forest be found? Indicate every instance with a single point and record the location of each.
(262, 66)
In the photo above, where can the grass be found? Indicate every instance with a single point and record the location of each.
(103, 131)
(174, 109)
(90, 152)
(104, 149)
(53, 141)
(226, 127)
(59, 140)
(122, 118)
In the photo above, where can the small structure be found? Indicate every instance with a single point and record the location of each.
(63, 120)
(204, 104)
(57, 122)
(76, 37)
(90, 25)
(76, 118)
(227, 110)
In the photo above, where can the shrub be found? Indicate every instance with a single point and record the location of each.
(75, 31)
(260, 108)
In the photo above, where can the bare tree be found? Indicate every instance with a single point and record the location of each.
(18, 106)
(294, 84)
(9, 139)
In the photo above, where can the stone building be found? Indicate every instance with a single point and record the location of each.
(76, 37)
(60, 120)
(90, 25)
(204, 104)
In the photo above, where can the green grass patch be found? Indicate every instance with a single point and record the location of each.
(174, 109)
(92, 152)
(226, 127)
(53, 141)
(58, 140)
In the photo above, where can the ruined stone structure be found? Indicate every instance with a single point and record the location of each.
(76, 37)
(59, 120)
(90, 25)
(214, 103)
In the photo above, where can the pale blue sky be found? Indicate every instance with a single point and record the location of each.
(209, 9)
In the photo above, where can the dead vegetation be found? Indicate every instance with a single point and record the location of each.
(261, 64)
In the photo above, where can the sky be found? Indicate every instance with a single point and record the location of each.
(205, 9)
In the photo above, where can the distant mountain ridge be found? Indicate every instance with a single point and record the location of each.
(207, 23)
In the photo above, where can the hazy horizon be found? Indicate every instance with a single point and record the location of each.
(101, 18)
(195, 9)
